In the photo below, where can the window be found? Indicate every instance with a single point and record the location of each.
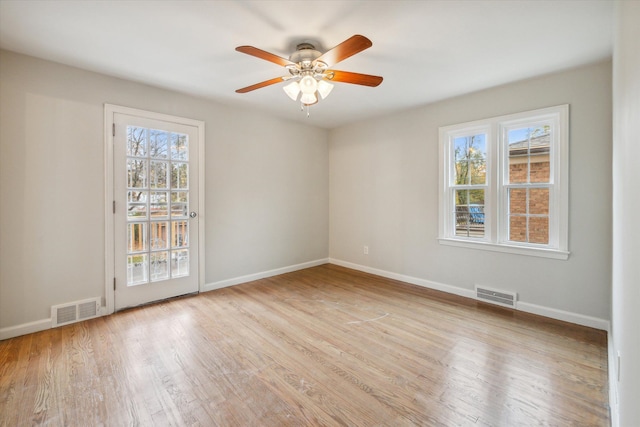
(504, 183)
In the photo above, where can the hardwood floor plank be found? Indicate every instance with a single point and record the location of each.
(322, 346)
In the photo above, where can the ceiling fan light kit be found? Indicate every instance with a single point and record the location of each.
(292, 90)
(309, 70)
(324, 88)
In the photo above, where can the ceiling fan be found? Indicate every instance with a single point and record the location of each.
(309, 70)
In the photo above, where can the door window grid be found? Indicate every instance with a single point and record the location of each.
(158, 229)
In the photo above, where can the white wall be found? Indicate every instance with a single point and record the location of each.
(266, 192)
(384, 194)
(626, 215)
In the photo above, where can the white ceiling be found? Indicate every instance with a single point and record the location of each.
(425, 50)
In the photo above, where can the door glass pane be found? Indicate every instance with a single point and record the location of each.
(136, 204)
(179, 203)
(157, 188)
(159, 266)
(136, 173)
(159, 235)
(137, 269)
(180, 263)
(179, 176)
(136, 142)
(137, 237)
(158, 174)
(179, 234)
(179, 147)
(158, 144)
(159, 206)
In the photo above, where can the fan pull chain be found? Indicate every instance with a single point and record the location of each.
(302, 105)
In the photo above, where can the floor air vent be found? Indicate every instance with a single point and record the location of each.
(495, 296)
(74, 312)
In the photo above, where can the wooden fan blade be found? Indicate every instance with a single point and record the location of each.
(354, 78)
(344, 50)
(259, 53)
(261, 84)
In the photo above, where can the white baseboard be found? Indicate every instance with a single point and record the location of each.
(261, 275)
(579, 319)
(566, 316)
(408, 279)
(614, 409)
(25, 328)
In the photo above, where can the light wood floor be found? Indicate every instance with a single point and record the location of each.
(322, 346)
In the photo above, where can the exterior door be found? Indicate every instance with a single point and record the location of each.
(155, 193)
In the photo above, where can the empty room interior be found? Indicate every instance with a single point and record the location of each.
(266, 213)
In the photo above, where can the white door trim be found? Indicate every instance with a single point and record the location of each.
(109, 245)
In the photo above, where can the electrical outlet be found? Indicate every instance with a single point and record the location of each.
(366, 250)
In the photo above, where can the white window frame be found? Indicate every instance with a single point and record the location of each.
(496, 236)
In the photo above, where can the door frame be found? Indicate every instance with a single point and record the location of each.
(109, 226)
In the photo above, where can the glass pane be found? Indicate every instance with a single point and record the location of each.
(460, 148)
(136, 237)
(180, 263)
(462, 173)
(158, 174)
(462, 222)
(179, 146)
(518, 228)
(159, 266)
(470, 153)
(478, 171)
(136, 204)
(159, 238)
(137, 269)
(179, 203)
(540, 165)
(159, 206)
(136, 173)
(136, 141)
(179, 234)
(529, 149)
(539, 230)
(178, 210)
(179, 197)
(470, 213)
(179, 176)
(539, 201)
(158, 144)
(518, 170)
(517, 201)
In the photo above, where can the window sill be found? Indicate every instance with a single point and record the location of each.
(511, 249)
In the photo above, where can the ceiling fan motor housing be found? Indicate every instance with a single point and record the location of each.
(304, 55)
